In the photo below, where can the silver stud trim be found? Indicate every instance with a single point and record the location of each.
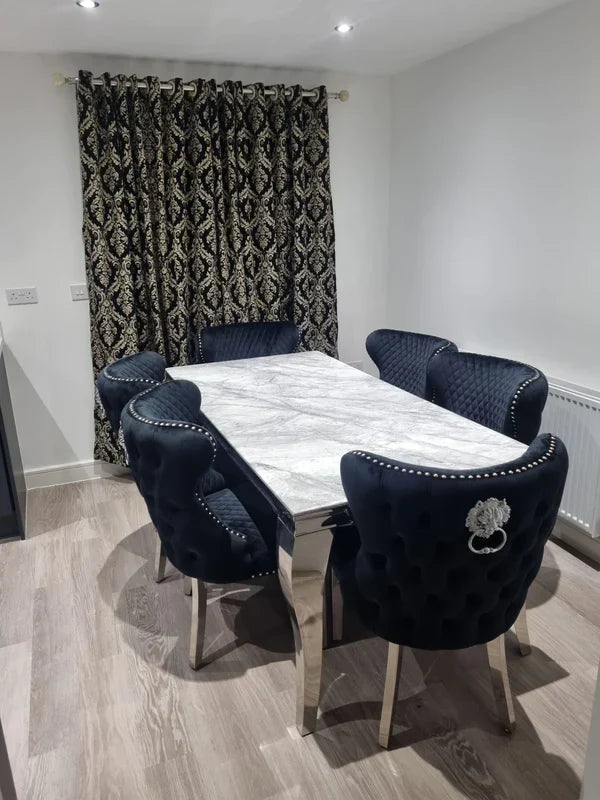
(110, 377)
(187, 425)
(470, 476)
(441, 349)
(514, 401)
(200, 350)
(263, 574)
(217, 520)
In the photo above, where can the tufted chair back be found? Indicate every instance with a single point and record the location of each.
(170, 454)
(247, 340)
(504, 395)
(402, 357)
(122, 380)
(430, 567)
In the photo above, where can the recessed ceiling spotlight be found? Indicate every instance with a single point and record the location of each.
(343, 27)
(87, 3)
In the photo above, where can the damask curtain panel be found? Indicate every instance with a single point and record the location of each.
(202, 208)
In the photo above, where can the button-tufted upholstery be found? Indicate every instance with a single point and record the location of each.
(122, 380)
(402, 357)
(247, 340)
(504, 395)
(208, 537)
(407, 567)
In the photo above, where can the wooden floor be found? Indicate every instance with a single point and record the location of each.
(97, 699)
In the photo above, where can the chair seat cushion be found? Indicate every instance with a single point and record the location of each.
(226, 506)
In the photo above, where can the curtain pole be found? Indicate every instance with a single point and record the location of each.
(61, 80)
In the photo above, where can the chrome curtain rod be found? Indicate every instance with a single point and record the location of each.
(168, 86)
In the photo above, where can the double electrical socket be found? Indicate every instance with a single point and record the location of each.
(19, 297)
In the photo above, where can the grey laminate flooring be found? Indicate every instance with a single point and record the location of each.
(97, 699)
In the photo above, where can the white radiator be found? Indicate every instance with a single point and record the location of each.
(573, 414)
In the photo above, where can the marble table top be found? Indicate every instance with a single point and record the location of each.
(292, 417)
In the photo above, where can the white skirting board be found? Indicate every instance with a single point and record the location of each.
(71, 473)
(575, 538)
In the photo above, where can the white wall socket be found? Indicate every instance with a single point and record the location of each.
(79, 291)
(19, 297)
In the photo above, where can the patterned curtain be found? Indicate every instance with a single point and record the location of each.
(202, 208)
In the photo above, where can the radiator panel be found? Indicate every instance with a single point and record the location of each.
(573, 414)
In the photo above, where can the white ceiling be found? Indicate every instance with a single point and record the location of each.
(388, 36)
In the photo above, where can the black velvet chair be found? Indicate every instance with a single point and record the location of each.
(246, 340)
(504, 395)
(402, 357)
(442, 560)
(207, 537)
(123, 379)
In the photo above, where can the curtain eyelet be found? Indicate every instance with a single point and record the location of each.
(171, 84)
(194, 90)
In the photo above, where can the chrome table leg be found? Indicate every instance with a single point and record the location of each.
(333, 611)
(337, 609)
(303, 562)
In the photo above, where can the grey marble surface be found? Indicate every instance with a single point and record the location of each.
(293, 417)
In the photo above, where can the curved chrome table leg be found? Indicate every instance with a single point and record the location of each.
(303, 562)
(337, 609)
(522, 632)
(496, 650)
(333, 613)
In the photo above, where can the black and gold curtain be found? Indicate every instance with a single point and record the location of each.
(202, 208)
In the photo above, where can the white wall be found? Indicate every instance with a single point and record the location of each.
(495, 198)
(40, 232)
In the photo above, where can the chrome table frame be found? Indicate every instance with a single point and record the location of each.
(303, 555)
(274, 389)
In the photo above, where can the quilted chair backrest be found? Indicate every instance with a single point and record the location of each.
(169, 454)
(123, 379)
(504, 395)
(402, 357)
(247, 340)
(446, 558)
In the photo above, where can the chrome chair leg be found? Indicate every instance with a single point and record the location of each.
(496, 651)
(198, 626)
(187, 585)
(392, 676)
(522, 632)
(160, 564)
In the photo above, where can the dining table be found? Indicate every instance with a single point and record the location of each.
(289, 419)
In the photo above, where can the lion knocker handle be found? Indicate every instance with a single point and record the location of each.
(484, 520)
